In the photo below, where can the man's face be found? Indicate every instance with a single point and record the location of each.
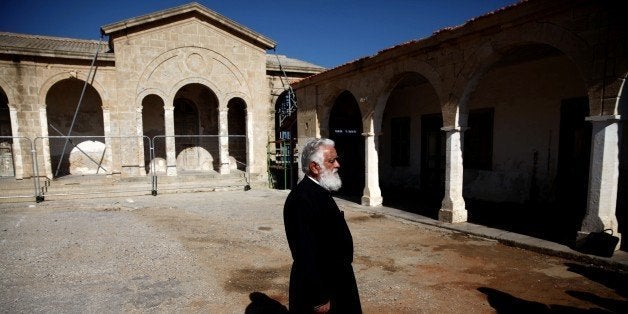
(328, 174)
(330, 159)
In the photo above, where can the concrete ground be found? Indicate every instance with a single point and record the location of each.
(225, 252)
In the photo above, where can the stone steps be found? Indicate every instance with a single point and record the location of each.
(88, 186)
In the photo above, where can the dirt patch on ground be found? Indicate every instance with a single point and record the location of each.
(226, 252)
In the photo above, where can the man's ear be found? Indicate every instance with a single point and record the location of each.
(314, 168)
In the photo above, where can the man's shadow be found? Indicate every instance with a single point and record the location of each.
(263, 304)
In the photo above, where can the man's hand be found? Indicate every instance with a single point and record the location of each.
(323, 308)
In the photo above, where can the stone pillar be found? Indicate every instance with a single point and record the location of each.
(453, 208)
(223, 141)
(111, 164)
(18, 157)
(45, 143)
(603, 176)
(372, 195)
(139, 125)
(171, 153)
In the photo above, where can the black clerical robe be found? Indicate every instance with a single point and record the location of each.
(322, 251)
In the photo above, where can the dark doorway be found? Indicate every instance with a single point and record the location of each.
(574, 149)
(236, 119)
(432, 160)
(345, 128)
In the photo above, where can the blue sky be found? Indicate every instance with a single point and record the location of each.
(324, 32)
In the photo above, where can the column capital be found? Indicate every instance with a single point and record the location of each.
(454, 128)
(605, 118)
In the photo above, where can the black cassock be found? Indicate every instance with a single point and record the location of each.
(322, 251)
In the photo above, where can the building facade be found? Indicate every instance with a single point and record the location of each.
(525, 105)
(200, 85)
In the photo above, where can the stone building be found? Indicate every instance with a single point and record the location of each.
(519, 108)
(186, 75)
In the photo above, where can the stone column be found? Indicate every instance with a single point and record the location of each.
(45, 143)
(18, 170)
(223, 140)
(109, 163)
(453, 208)
(171, 153)
(372, 195)
(603, 176)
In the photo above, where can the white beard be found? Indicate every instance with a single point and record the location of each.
(330, 180)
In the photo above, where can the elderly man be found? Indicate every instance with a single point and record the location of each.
(322, 278)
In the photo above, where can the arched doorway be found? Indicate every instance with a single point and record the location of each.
(7, 168)
(412, 146)
(84, 155)
(236, 117)
(153, 125)
(526, 150)
(196, 113)
(345, 128)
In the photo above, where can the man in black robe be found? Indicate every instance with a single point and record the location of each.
(322, 278)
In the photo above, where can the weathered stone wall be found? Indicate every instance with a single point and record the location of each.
(27, 82)
(162, 60)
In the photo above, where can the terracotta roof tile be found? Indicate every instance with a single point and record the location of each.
(37, 45)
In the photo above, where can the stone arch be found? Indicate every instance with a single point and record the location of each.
(486, 55)
(85, 154)
(523, 107)
(52, 80)
(345, 127)
(8, 92)
(408, 116)
(189, 62)
(220, 95)
(326, 108)
(195, 109)
(420, 68)
(151, 123)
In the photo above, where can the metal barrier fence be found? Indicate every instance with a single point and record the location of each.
(16, 174)
(72, 165)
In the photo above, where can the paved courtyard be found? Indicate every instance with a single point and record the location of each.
(225, 252)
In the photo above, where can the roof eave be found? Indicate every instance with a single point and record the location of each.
(55, 54)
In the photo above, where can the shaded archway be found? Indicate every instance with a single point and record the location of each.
(196, 113)
(84, 155)
(345, 128)
(236, 119)
(527, 145)
(283, 166)
(153, 125)
(411, 146)
(7, 168)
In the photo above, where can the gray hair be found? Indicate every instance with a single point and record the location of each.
(312, 152)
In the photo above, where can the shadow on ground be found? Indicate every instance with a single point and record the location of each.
(263, 304)
(503, 302)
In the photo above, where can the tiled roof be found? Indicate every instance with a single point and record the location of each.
(273, 62)
(56, 47)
